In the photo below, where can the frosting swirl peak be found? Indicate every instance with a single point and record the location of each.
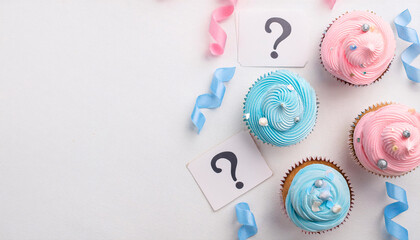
(281, 105)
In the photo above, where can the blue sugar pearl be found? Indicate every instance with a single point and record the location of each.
(353, 47)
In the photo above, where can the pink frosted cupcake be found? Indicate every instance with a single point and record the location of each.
(385, 139)
(358, 48)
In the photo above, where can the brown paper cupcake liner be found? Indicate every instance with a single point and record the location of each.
(291, 173)
(351, 143)
(256, 137)
(341, 80)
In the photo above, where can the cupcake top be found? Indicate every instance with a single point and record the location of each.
(318, 198)
(280, 108)
(387, 141)
(358, 47)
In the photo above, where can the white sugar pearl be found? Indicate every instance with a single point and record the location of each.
(263, 121)
(246, 116)
(325, 195)
(336, 208)
(290, 87)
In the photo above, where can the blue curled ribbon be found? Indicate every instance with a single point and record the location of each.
(247, 220)
(409, 35)
(394, 209)
(213, 99)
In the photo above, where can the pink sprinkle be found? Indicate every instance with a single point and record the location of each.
(218, 34)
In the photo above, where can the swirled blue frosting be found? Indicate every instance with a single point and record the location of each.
(310, 206)
(289, 104)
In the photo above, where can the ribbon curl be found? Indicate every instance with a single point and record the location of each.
(217, 32)
(247, 220)
(213, 99)
(394, 209)
(330, 3)
(409, 35)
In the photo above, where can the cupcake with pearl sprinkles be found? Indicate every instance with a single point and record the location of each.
(316, 195)
(358, 48)
(281, 108)
(385, 139)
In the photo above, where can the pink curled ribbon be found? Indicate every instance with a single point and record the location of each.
(216, 31)
(330, 3)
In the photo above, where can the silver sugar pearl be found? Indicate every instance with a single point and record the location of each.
(365, 27)
(382, 164)
(319, 183)
(297, 119)
(406, 134)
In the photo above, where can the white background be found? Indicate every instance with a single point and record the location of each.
(95, 100)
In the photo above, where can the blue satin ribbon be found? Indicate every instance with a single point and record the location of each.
(214, 98)
(394, 209)
(409, 35)
(247, 220)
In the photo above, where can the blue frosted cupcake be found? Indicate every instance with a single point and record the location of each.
(317, 195)
(281, 108)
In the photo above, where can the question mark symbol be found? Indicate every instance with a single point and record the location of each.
(231, 157)
(287, 29)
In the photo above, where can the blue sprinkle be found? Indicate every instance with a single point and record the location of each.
(353, 47)
(329, 204)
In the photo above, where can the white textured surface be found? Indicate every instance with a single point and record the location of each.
(95, 99)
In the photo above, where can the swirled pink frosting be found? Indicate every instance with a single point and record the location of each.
(356, 56)
(379, 135)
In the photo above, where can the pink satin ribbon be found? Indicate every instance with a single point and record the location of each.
(218, 47)
(330, 3)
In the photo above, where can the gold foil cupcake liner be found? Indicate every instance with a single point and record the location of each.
(341, 80)
(291, 173)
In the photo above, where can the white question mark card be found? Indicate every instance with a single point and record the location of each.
(229, 170)
(273, 38)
